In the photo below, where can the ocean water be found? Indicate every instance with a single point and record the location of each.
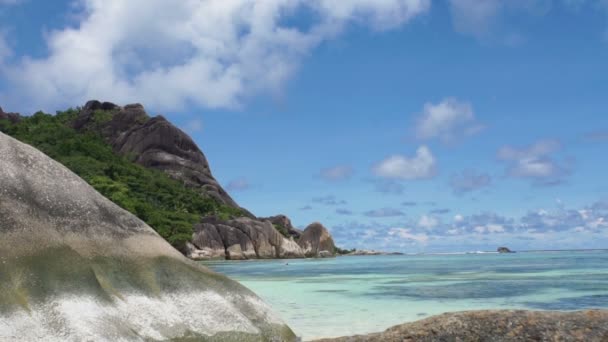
(363, 294)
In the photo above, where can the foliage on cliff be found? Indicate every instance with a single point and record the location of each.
(163, 203)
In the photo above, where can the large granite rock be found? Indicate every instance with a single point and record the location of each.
(316, 241)
(497, 326)
(154, 143)
(240, 238)
(285, 222)
(76, 267)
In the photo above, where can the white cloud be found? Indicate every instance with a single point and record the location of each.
(212, 53)
(428, 222)
(406, 234)
(534, 162)
(421, 166)
(336, 173)
(447, 120)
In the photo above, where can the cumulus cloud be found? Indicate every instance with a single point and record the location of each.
(559, 227)
(484, 223)
(404, 233)
(420, 166)
(211, 53)
(384, 212)
(329, 200)
(468, 181)
(535, 162)
(447, 121)
(590, 218)
(428, 222)
(336, 173)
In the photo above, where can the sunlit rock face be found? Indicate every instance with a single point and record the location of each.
(316, 241)
(76, 267)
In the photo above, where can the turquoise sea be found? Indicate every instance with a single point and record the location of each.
(363, 294)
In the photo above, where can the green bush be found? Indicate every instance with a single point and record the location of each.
(281, 229)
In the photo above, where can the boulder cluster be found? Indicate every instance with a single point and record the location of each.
(156, 143)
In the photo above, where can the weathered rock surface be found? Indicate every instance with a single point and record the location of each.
(241, 238)
(76, 267)
(316, 241)
(284, 221)
(155, 143)
(497, 326)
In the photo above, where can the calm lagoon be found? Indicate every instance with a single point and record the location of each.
(362, 294)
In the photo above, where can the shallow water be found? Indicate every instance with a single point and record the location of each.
(356, 295)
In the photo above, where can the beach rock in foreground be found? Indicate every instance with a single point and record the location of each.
(497, 326)
(316, 241)
(76, 267)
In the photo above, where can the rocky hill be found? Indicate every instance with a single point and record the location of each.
(189, 208)
(76, 267)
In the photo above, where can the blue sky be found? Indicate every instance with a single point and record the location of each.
(409, 125)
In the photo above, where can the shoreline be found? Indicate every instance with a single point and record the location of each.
(376, 253)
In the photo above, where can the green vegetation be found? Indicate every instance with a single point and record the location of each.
(281, 229)
(163, 203)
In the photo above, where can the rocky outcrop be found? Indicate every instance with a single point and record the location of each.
(316, 241)
(283, 221)
(504, 250)
(76, 267)
(154, 143)
(241, 238)
(497, 326)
